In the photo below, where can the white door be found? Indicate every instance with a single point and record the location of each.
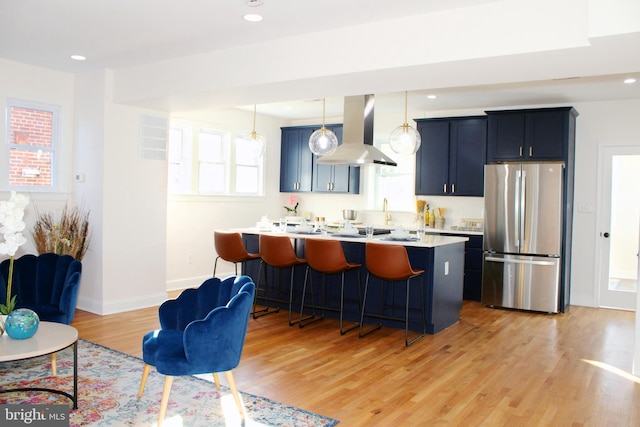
(619, 218)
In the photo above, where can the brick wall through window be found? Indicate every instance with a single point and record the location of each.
(31, 141)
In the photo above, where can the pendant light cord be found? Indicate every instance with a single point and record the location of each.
(405, 108)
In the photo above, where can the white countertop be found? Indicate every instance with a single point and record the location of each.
(429, 241)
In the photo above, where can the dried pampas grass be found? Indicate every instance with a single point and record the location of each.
(67, 236)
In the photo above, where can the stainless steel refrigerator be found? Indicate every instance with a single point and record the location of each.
(523, 236)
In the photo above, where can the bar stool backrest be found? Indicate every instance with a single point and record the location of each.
(277, 251)
(389, 262)
(325, 256)
(229, 246)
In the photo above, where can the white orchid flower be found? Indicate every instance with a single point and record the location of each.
(11, 243)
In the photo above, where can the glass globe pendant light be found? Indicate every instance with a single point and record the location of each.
(255, 137)
(323, 141)
(405, 139)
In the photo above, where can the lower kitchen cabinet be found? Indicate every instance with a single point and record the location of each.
(472, 288)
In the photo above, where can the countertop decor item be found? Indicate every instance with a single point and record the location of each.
(22, 323)
(11, 227)
(292, 207)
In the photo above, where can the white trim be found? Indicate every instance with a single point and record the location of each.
(96, 307)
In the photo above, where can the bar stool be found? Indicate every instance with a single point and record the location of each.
(277, 252)
(327, 257)
(229, 247)
(391, 263)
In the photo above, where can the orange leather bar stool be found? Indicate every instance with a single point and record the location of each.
(229, 247)
(390, 263)
(327, 257)
(277, 252)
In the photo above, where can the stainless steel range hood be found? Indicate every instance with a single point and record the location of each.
(357, 136)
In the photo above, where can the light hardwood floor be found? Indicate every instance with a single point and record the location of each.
(493, 368)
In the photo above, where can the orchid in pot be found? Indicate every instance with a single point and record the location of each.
(292, 208)
(11, 227)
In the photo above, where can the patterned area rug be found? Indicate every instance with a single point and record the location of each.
(108, 383)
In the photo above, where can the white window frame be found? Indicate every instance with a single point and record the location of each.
(56, 172)
(189, 156)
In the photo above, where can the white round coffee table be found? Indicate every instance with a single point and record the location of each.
(51, 337)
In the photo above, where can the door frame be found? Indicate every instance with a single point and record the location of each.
(602, 181)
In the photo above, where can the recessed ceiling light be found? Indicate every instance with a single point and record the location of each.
(630, 80)
(252, 17)
(431, 96)
(78, 57)
(254, 3)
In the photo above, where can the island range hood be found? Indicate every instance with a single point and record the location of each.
(357, 136)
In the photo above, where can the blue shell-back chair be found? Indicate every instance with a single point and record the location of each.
(47, 284)
(202, 331)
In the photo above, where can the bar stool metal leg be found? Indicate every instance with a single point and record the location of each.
(267, 310)
(406, 321)
(312, 317)
(364, 304)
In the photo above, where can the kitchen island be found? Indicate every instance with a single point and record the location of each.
(441, 258)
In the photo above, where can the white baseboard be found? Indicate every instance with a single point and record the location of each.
(113, 307)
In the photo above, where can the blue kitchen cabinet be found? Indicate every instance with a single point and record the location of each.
(335, 178)
(296, 160)
(530, 135)
(452, 156)
(300, 172)
(472, 287)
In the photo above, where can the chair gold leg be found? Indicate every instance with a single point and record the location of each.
(234, 392)
(145, 374)
(216, 379)
(54, 370)
(165, 399)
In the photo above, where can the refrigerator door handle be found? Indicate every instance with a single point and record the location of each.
(517, 206)
(523, 211)
(520, 261)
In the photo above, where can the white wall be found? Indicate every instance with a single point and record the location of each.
(614, 122)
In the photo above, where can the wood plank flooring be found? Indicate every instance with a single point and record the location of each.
(493, 368)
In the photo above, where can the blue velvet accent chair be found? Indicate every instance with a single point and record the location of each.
(47, 284)
(202, 331)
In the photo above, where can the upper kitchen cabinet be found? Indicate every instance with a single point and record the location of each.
(299, 171)
(530, 135)
(452, 155)
(335, 178)
(296, 160)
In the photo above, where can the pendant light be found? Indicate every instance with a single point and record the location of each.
(255, 137)
(323, 141)
(405, 139)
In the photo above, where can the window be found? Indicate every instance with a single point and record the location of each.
(33, 140)
(213, 162)
(396, 183)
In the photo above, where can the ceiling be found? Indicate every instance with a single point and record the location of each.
(121, 33)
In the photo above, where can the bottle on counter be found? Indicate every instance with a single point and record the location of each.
(432, 219)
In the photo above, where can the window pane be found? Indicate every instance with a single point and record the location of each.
(28, 126)
(175, 145)
(211, 178)
(247, 152)
(247, 179)
(29, 168)
(210, 147)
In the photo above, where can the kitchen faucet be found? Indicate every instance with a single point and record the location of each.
(385, 208)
